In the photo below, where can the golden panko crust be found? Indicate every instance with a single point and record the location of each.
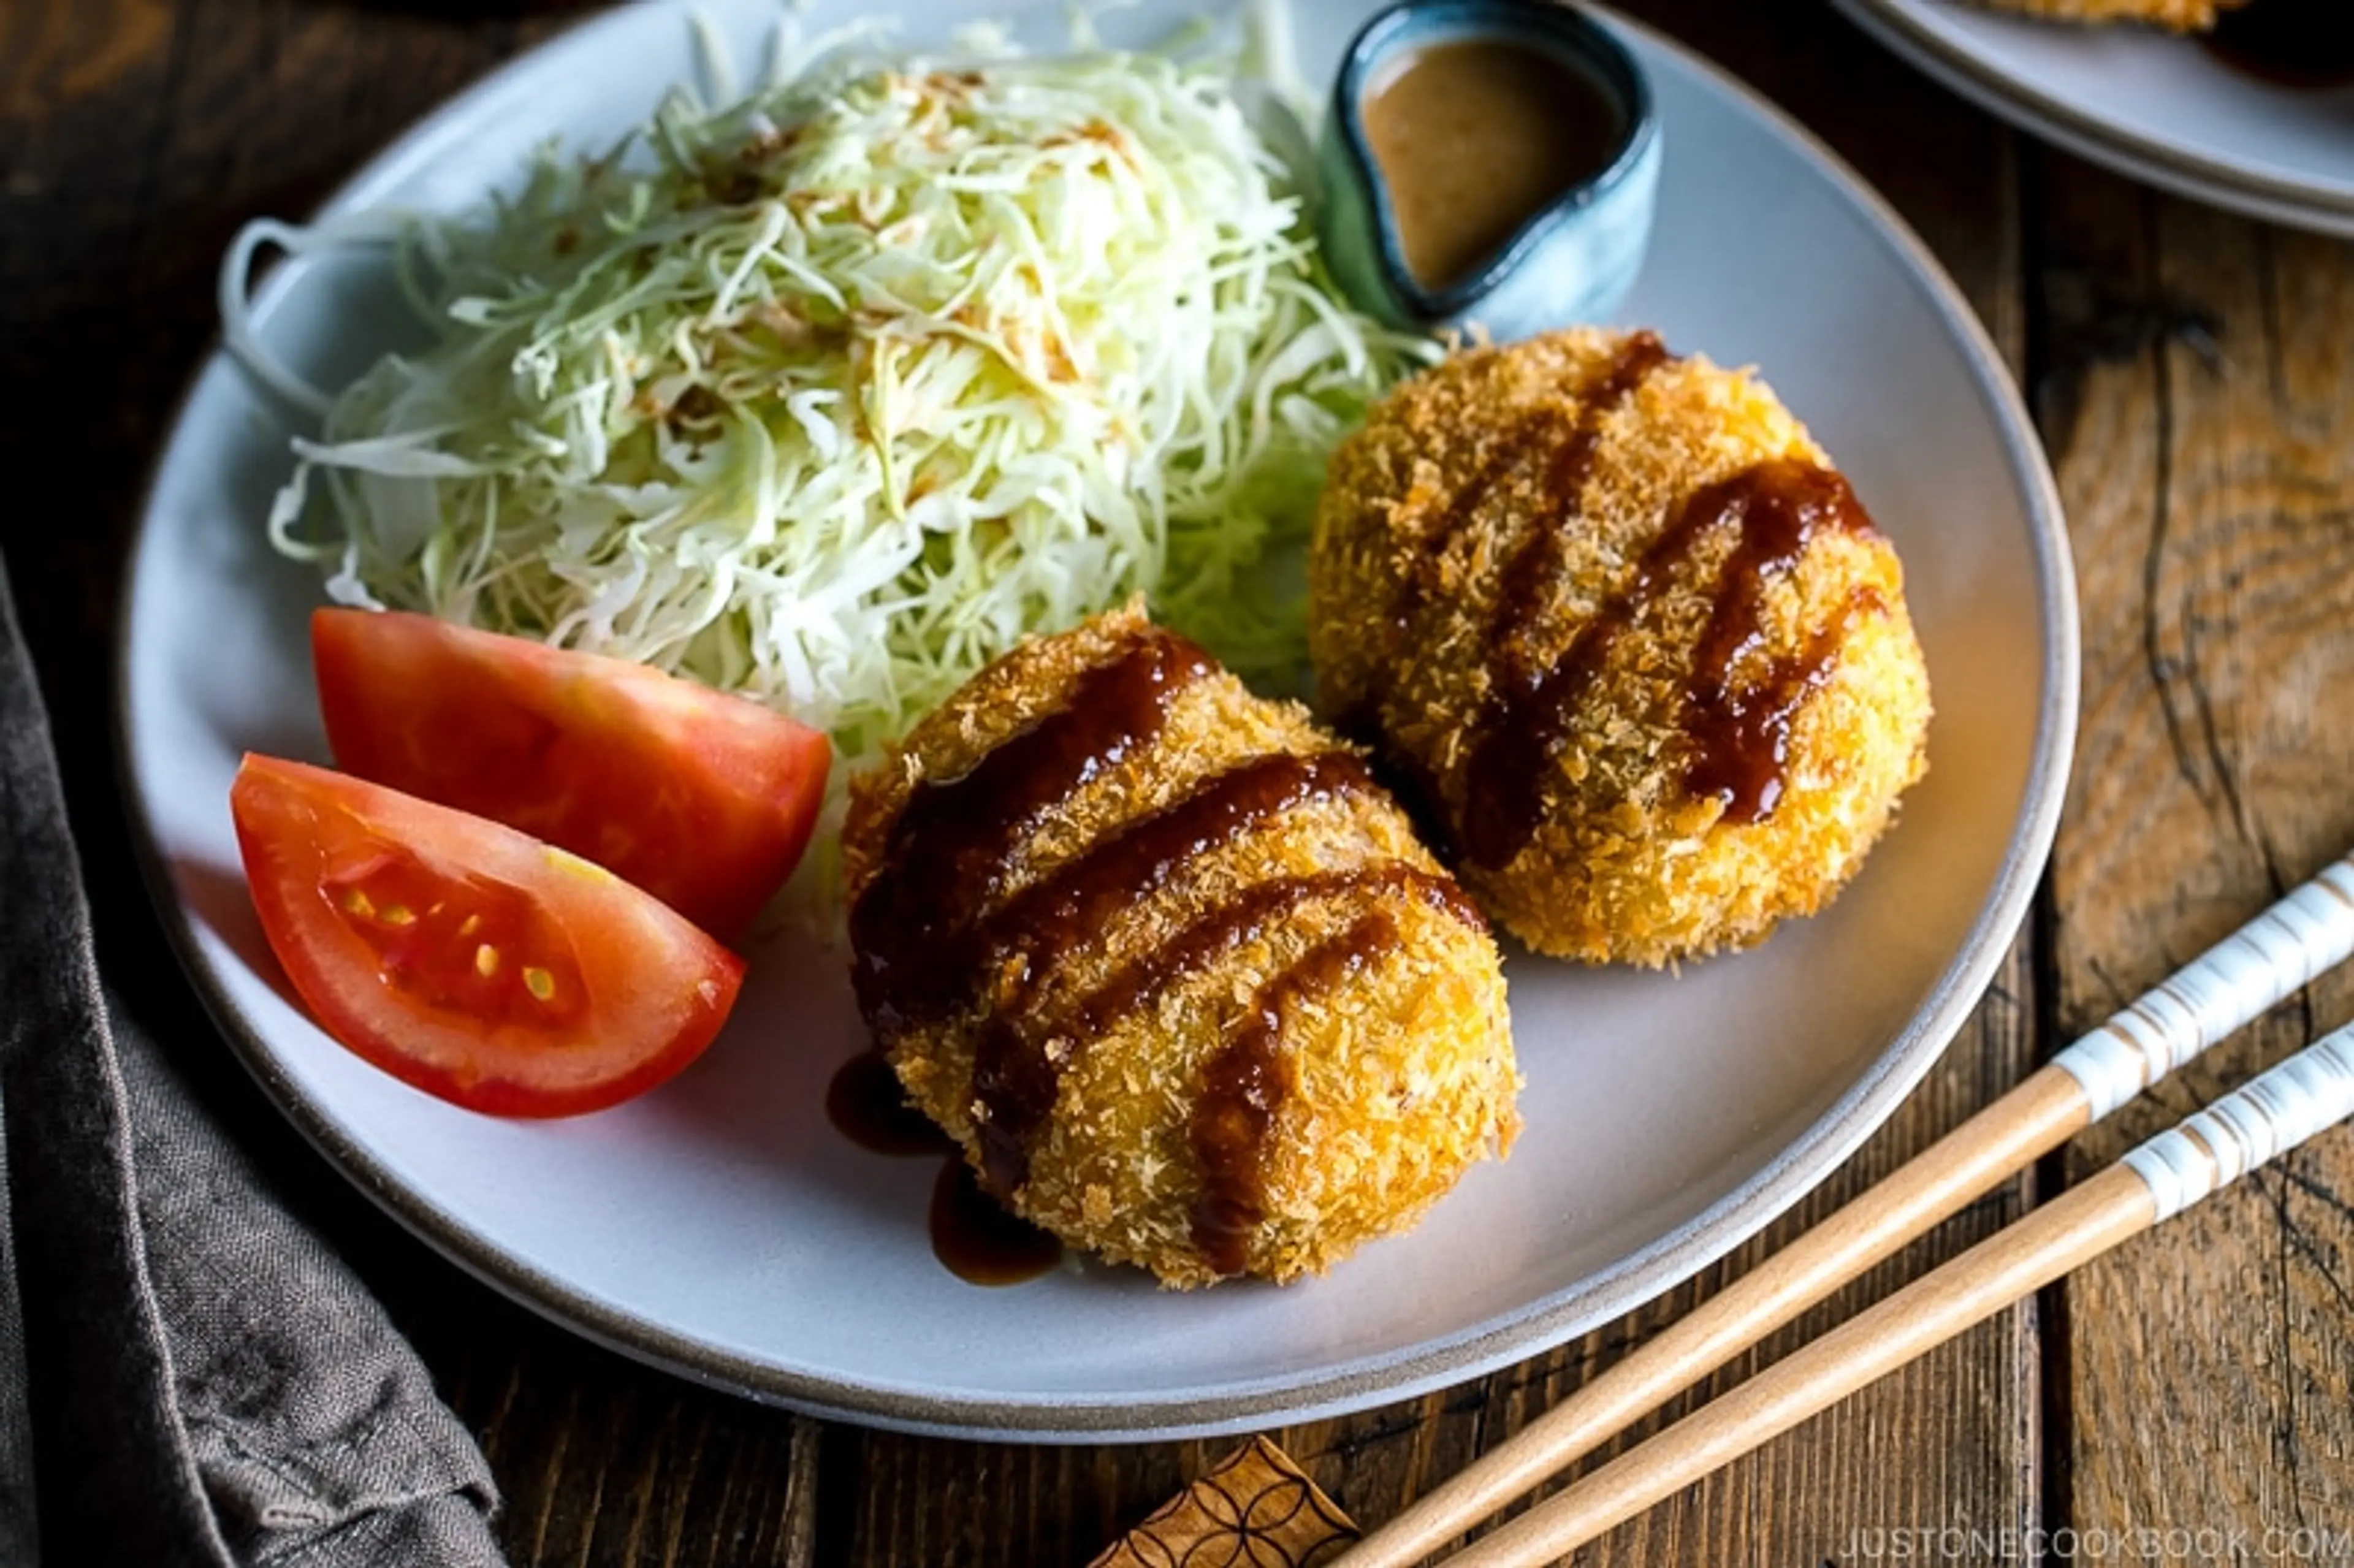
(1397, 1068)
(2179, 15)
(1625, 861)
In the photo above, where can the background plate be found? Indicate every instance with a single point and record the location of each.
(721, 1228)
(2155, 107)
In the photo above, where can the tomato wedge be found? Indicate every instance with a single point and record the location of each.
(466, 959)
(703, 799)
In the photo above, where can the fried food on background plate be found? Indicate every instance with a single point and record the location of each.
(2179, 15)
(1168, 965)
(1627, 640)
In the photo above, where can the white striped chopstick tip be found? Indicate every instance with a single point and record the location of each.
(2276, 1112)
(2270, 1114)
(2307, 932)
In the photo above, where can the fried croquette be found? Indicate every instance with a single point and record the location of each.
(1625, 639)
(1168, 965)
(2177, 15)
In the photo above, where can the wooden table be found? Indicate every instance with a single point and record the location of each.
(2193, 376)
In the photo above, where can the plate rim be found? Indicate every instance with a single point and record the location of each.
(1635, 1279)
(1897, 26)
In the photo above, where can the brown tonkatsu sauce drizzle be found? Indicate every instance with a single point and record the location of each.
(1245, 918)
(911, 928)
(1566, 446)
(1567, 449)
(1021, 1094)
(1245, 1083)
(1014, 1076)
(1020, 942)
(1533, 572)
(978, 1240)
(928, 946)
(1510, 454)
(1738, 741)
(1059, 912)
(867, 1105)
(973, 1237)
(955, 836)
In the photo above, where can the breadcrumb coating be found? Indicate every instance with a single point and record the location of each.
(2179, 15)
(1393, 1069)
(1433, 506)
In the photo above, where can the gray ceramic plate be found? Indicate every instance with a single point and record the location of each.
(720, 1228)
(2156, 107)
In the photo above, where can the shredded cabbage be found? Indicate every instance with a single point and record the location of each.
(829, 396)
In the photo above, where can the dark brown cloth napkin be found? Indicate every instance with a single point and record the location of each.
(187, 1375)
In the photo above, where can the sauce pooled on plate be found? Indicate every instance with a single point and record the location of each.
(1474, 138)
(972, 1235)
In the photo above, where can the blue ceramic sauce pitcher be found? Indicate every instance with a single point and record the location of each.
(1572, 260)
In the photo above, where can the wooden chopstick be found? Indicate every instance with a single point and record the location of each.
(2269, 958)
(2312, 1090)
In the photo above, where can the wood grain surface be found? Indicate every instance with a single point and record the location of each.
(2194, 376)
(2205, 449)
